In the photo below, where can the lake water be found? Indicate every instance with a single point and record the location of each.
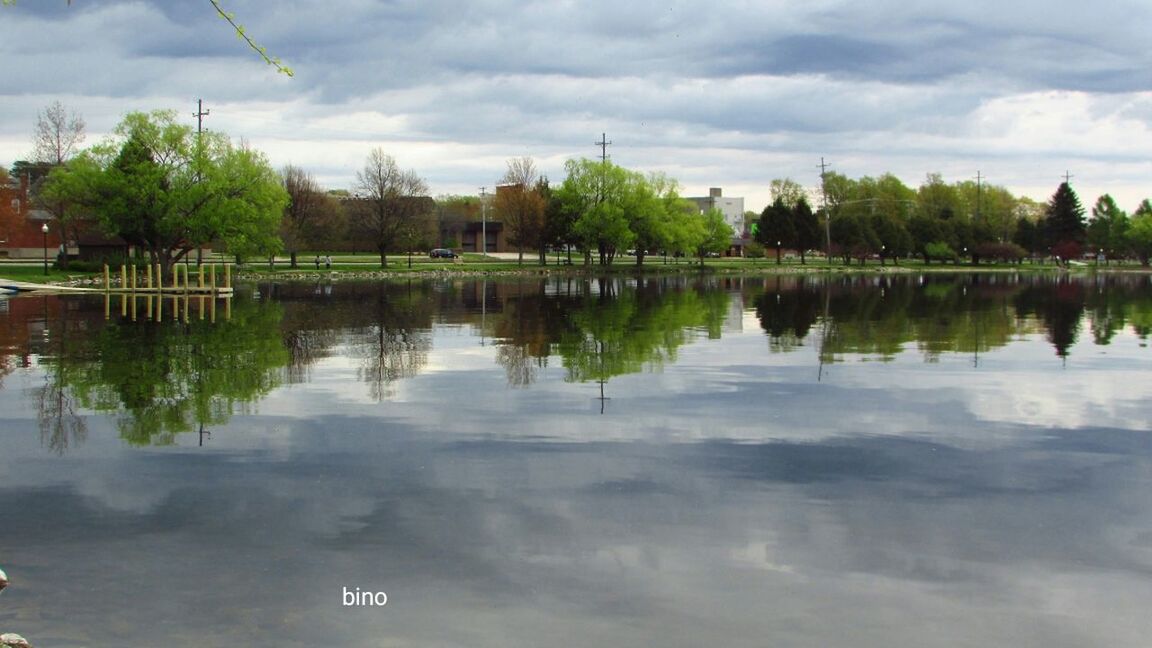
(875, 461)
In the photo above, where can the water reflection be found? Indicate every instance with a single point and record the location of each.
(161, 377)
(437, 441)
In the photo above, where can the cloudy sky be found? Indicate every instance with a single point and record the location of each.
(729, 94)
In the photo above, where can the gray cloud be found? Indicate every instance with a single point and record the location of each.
(884, 86)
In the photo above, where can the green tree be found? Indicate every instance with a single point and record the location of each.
(715, 235)
(1029, 236)
(159, 186)
(1139, 234)
(1064, 226)
(1108, 228)
(808, 233)
(595, 192)
(854, 237)
(787, 190)
(776, 228)
(895, 239)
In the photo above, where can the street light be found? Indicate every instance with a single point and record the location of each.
(44, 231)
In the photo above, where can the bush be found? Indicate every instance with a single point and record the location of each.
(1004, 252)
(940, 251)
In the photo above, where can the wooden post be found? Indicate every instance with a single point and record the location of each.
(212, 309)
(212, 277)
(159, 307)
(123, 304)
(107, 279)
(201, 284)
(135, 283)
(227, 276)
(159, 280)
(123, 276)
(133, 307)
(107, 306)
(148, 303)
(148, 277)
(228, 308)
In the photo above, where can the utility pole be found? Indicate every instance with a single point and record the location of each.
(604, 143)
(1068, 178)
(978, 179)
(827, 214)
(200, 114)
(484, 218)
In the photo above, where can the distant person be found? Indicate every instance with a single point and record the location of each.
(317, 261)
(328, 263)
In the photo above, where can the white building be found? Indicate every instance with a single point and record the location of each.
(732, 208)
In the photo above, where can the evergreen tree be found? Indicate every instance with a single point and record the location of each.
(1064, 226)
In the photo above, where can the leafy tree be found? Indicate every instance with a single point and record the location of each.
(788, 191)
(895, 240)
(1029, 236)
(715, 235)
(808, 232)
(937, 199)
(776, 228)
(161, 187)
(1107, 230)
(559, 220)
(658, 208)
(391, 202)
(854, 237)
(1139, 234)
(595, 192)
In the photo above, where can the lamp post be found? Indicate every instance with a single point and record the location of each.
(44, 231)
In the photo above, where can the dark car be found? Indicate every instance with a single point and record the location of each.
(442, 253)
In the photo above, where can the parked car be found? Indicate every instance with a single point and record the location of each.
(442, 253)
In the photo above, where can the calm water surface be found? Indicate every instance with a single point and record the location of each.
(913, 461)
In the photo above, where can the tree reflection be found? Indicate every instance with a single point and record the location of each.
(880, 317)
(161, 378)
(606, 328)
(387, 326)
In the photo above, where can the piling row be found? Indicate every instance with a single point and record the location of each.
(154, 280)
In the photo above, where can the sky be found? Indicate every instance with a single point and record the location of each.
(715, 94)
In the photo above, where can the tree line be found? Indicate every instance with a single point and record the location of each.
(884, 218)
(169, 190)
